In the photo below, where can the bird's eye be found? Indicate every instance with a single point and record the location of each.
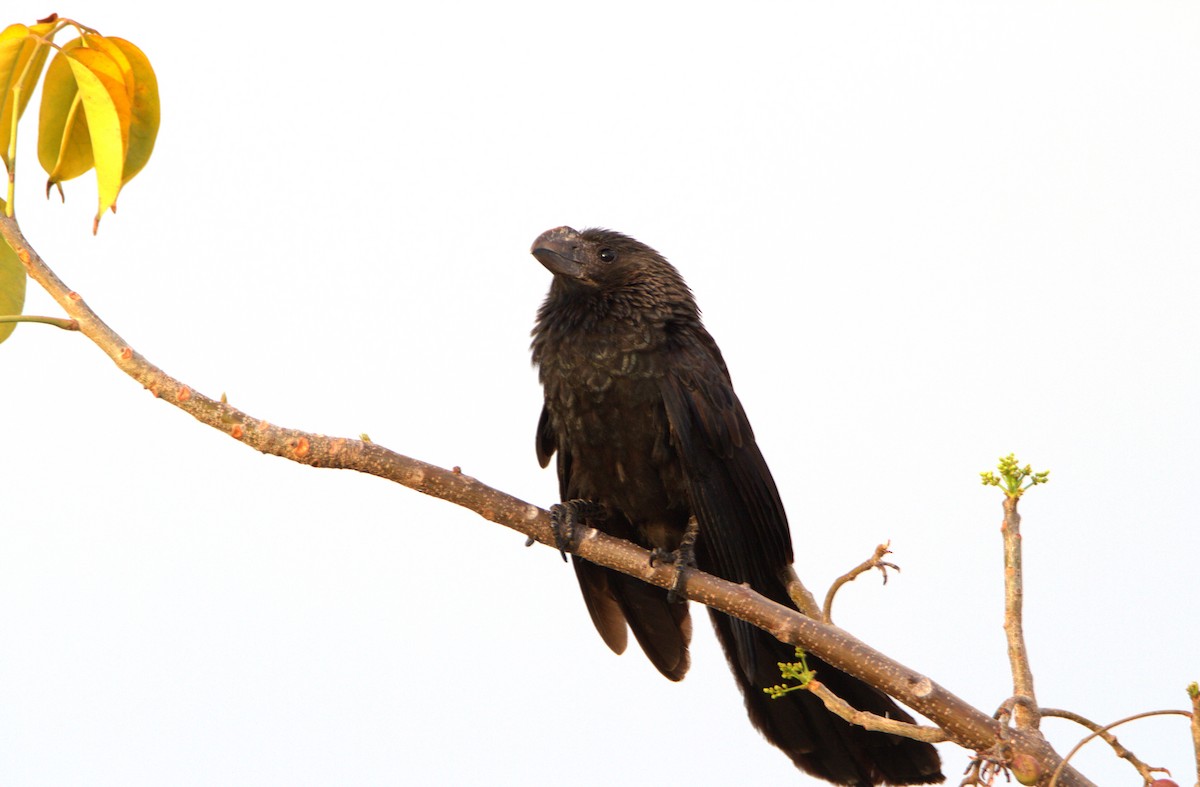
(608, 255)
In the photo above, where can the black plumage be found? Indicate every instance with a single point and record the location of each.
(640, 410)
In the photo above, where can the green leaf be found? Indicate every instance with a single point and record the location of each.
(12, 285)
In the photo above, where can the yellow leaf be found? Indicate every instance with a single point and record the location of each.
(32, 58)
(108, 47)
(143, 129)
(12, 41)
(22, 56)
(13, 35)
(109, 111)
(64, 144)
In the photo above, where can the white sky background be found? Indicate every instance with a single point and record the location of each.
(924, 234)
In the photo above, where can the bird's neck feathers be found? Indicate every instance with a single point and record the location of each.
(640, 297)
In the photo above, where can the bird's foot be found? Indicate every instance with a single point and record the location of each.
(567, 519)
(683, 557)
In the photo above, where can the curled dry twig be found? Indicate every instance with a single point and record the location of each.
(875, 561)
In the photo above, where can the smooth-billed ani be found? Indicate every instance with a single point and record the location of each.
(641, 412)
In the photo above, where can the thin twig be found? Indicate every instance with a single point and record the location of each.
(1025, 714)
(1059, 770)
(875, 561)
(1144, 770)
(801, 596)
(871, 721)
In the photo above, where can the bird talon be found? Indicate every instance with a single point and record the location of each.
(682, 558)
(562, 525)
(567, 517)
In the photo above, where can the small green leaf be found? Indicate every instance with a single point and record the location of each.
(1013, 477)
(796, 670)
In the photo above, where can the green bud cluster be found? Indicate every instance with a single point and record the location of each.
(1013, 478)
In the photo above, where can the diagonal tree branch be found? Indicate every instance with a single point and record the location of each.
(963, 724)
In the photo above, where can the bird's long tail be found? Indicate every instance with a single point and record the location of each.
(798, 723)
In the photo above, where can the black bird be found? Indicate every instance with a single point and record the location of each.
(650, 436)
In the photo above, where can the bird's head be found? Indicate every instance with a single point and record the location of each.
(594, 258)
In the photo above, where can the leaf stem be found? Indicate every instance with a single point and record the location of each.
(58, 322)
